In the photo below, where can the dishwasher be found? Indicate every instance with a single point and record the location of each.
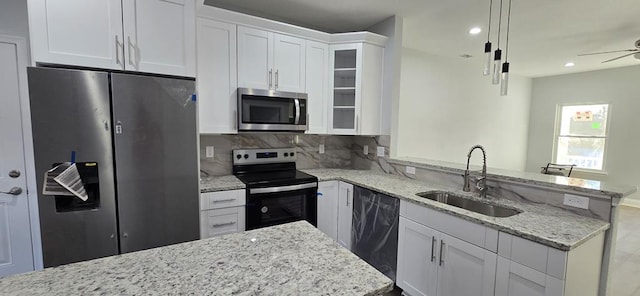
(374, 232)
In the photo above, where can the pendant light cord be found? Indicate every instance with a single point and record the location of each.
(500, 23)
(489, 29)
(506, 54)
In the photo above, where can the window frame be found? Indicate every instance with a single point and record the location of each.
(556, 136)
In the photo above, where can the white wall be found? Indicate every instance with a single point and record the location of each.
(447, 106)
(13, 19)
(619, 87)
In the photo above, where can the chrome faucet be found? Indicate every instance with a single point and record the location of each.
(481, 182)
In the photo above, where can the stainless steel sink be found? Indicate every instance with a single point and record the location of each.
(469, 204)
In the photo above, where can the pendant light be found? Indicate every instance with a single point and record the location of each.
(504, 77)
(487, 46)
(497, 55)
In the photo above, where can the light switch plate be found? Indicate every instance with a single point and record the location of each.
(209, 151)
(410, 170)
(380, 151)
(321, 149)
(365, 150)
(576, 201)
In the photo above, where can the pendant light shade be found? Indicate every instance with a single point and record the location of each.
(504, 79)
(497, 60)
(487, 59)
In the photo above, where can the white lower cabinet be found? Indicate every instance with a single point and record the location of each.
(345, 214)
(433, 263)
(222, 212)
(328, 208)
(513, 279)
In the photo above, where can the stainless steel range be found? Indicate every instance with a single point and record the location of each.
(277, 192)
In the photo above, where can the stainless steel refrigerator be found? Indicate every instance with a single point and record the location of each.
(134, 139)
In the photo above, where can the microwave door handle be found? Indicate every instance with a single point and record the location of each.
(297, 103)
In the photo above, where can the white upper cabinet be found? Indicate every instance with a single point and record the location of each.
(77, 32)
(356, 89)
(268, 60)
(156, 36)
(216, 77)
(160, 36)
(317, 77)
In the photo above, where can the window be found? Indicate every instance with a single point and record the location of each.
(581, 135)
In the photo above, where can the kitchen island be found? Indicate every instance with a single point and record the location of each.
(289, 259)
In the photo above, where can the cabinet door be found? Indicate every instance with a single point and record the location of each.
(317, 82)
(417, 258)
(160, 36)
(328, 208)
(465, 269)
(344, 84)
(216, 77)
(513, 279)
(345, 214)
(371, 90)
(289, 63)
(77, 32)
(255, 58)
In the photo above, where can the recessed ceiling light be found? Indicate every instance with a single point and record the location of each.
(475, 31)
(569, 64)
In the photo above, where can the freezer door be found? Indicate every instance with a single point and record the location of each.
(156, 160)
(70, 111)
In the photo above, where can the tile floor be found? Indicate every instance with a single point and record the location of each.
(626, 262)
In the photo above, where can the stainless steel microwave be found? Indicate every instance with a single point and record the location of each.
(267, 110)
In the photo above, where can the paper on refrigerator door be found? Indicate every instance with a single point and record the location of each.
(64, 179)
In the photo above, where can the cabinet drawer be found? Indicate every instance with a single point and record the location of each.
(222, 199)
(222, 221)
(533, 255)
(476, 234)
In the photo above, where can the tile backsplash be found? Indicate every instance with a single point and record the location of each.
(344, 152)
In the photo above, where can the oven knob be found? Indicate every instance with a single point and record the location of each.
(238, 156)
(264, 210)
(286, 154)
(246, 156)
(290, 154)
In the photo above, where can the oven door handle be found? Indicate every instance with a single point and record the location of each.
(282, 188)
(297, 103)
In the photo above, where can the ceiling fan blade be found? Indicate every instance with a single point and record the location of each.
(622, 56)
(603, 52)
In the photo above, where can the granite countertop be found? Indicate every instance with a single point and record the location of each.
(547, 225)
(288, 259)
(220, 183)
(604, 189)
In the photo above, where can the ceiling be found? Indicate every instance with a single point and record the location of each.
(545, 34)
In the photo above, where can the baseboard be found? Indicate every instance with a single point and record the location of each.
(631, 202)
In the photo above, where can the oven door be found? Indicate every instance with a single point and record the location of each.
(278, 205)
(264, 110)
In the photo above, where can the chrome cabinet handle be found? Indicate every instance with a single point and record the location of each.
(357, 123)
(441, 254)
(277, 79)
(14, 174)
(13, 191)
(270, 75)
(433, 248)
(118, 51)
(348, 193)
(224, 200)
(223, 224)
(132, 48)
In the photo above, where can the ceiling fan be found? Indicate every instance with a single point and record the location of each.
(635, 52)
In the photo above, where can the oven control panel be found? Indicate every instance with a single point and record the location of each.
(258, 156)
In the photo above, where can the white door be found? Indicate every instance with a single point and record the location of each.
(317, 82)
(345, 214)
(513, 279)
(77, 32)
(160, 36)
(328, 208)
(216, 77)
(255, 58)
(417, 258)
(289, 63)
(15, 235)
(465, 269)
